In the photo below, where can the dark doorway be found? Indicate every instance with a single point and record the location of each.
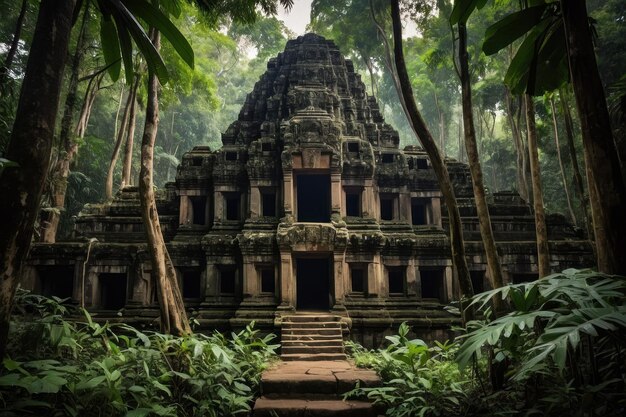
(432, 283)
(198, 205)
(112, 291)
(313, 284)
(56, 281)
(478, 281)
(313, 198)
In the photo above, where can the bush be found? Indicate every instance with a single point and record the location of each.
(61, 367)
(417, 380)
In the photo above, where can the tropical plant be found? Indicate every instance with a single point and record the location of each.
(566, 329)
(90, 368)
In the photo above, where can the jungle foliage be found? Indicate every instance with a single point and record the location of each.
(561, 345)
(61, 361)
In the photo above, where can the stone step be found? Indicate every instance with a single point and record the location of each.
(330, 341)
(312, 325)
(311, 349)
(316, 384)
(310, 318)
(311, 332)
(294, 407)
(314, 357)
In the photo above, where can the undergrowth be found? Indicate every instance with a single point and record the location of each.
(61, 367)
(559, 349)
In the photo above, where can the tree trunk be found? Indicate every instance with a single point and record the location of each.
(127, 178)
(578, 178)
(8, 61)
(558, 154)
(429, 144)
(173, 315)
(606, 186)
(543, 254)
(519, 148)
(30, 146)
(442, 132)
(108, 191)
(482, 209)
(68, 146)
(85, 112)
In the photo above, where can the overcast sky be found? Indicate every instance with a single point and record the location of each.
(299, 16)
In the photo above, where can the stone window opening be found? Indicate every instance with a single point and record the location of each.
(268, 203)
(198, 208)
(432, 284)
(421, 211)
(353, 147)
(313, 198)
(230, 156)
(112, 288)
(397, 279)
(196, 161)
(228, 276)
(191, 283)
(353, 202)
(232, 206)
(387, 158)
(268, 279)
(520, 278)
(421, 163)
(478, 281)
(358, 278)
(56, 281)
(266, 147)
(388, 206)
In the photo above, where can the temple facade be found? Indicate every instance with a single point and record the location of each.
(309, 205)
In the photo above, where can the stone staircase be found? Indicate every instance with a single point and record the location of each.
(314, 389)
(309, 337)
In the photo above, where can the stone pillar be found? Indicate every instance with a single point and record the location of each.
(212, 276)
(255, 202)
(447, 278)
(185, 216)
(404, 207)
(411, 279)
(250, 279)
(286, 280)
(218, 206)
(374, 277)
(338, 279)
(436, 209)
(418, 282)
(335, 192)
(288, 192)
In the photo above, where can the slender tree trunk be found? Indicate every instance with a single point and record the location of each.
(578, 178)
(442, 133)
(429, 144)
(173, 315)
(85, 112)
(8, 61)
(68, 146)
(543, 254)
(482, 209)
(108, 191)
(30, 146)
(519, 148)
(127, 178)
(558, 154)
(607, 190)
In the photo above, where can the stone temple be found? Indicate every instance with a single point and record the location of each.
(309, 205)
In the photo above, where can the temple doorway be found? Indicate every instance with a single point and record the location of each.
(313, 192)
(313, 283)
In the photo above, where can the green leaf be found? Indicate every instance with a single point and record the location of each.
(153, 17)
(126, 47)
(153, 59)
(110, 46)
(510, 28)
(463, 9)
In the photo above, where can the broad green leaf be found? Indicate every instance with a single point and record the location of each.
(153, 59)
(463, 9)
(126, 47)
(510, 28)
(110, 46)
(153, 17)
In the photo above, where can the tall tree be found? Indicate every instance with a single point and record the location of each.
(21, 182)
(8, 60)
(68, 145)
(173, 315)
(429, 144)
(606, 184)
(480, 198)
(541, 230)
